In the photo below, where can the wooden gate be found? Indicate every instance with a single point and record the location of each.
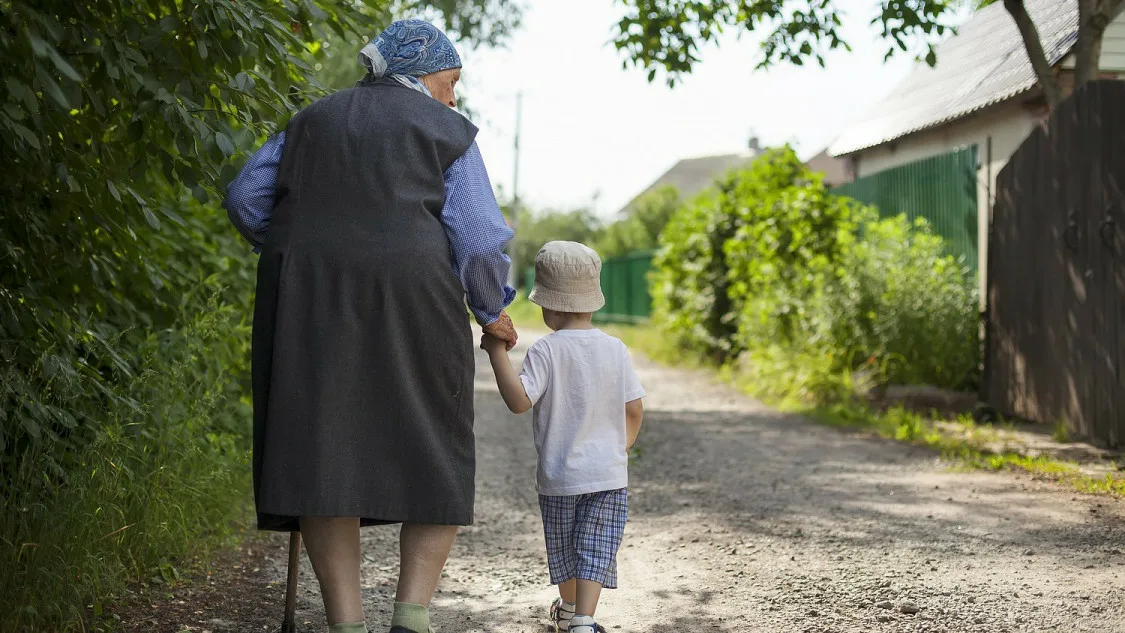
(1055, 343)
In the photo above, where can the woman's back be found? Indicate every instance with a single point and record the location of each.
(364, 168)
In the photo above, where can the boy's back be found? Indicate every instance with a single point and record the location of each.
(580, 381)
(588, 412)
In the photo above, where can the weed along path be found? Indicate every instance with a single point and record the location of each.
(747, 520)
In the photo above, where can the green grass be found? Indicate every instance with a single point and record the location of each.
(802, 386)
(1061, 434)
(151, 490)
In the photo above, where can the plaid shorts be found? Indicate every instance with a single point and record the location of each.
(583, 533)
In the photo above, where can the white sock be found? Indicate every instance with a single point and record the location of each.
(582, 624)
(564, 614)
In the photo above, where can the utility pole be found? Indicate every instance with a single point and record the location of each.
(513, 273)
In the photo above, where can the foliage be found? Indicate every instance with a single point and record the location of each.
(668, 34)
(904, 302)
(689, 283)
(802, 287)
(640, 229)
(147, 484)
(123, 292)
(790, 233)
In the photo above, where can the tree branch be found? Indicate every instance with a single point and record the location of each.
(1043, 71)
(1093, 18)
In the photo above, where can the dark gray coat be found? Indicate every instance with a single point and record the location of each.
(362, 350)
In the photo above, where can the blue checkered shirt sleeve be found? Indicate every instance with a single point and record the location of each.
(472, 218)
(477, 234)
(249, 200)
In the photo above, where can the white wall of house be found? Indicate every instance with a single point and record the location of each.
(1006, 125)
(1113, 47)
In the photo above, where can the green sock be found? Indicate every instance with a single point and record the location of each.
(414, 617)
(348, 627)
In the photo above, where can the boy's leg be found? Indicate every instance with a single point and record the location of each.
(599, 527)
(558, 536)
(568, 590)
(586, 602)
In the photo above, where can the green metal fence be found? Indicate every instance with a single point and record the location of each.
(625, 285)
(941, 189)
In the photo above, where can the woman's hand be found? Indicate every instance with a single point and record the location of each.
(503, 329)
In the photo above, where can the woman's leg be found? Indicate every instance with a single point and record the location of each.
(333, 547)
(423, 550)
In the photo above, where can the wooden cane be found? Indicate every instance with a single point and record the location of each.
(288, 625)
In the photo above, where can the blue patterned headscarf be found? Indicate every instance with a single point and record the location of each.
(409, 49)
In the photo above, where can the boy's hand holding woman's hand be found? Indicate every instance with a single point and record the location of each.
(501, 331)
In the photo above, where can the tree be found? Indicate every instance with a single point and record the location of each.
(1093, 18)
(668, 34)
(640, 229)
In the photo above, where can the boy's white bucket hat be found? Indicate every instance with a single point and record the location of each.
(568, 278)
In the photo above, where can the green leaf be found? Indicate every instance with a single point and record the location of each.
(113, 190)
(151, 218)
(173, 216)
(38, 45)
(64, 67)
(225, 144)
(23, 93)
(201, 46)
(27, 135)
(51, 88)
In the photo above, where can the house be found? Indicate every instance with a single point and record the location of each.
(836, 171)
(691, 176)
(981, 97)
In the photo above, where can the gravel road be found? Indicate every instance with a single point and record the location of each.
(744, 519)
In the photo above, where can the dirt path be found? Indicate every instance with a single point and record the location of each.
(743, 519)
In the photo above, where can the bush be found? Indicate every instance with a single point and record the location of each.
(905, 304)
(803, 288)
(642, 225)
(148, 482)
(738, 264)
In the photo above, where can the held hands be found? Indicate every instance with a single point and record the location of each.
(501, 333)
(493, 345)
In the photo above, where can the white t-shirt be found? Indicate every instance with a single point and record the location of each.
(579, 382)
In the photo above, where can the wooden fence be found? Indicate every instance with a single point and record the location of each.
(1055, 342)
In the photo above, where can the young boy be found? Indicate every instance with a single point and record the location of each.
(588, 412)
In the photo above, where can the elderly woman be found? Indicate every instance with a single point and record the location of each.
(375, 219)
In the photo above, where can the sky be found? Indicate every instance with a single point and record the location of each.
(594, 134)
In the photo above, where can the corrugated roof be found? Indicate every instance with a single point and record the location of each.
(984, 64)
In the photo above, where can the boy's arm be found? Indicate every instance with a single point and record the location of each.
(634, 415)
(510, 385)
